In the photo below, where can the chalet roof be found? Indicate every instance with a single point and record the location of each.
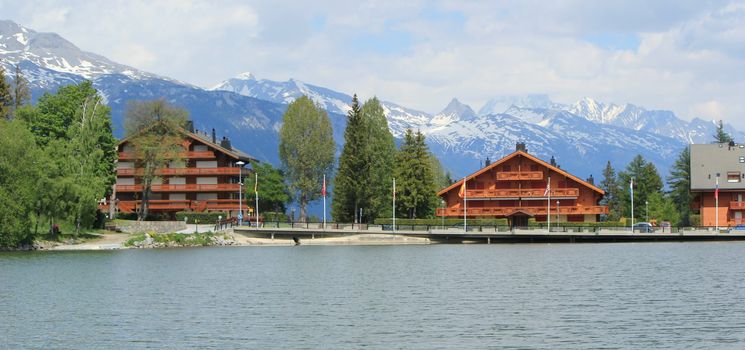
(234, 152)
(526, 155)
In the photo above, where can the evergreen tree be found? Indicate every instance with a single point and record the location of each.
(679, 181)
(273, 193)
(351, 170)
(415, 186)
(662, 208)
(646, 182)
(306, 149)
(611, 187)
(21, 92)
(722, 136)
(154, 131)
(6, 97)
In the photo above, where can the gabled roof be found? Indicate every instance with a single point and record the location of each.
(234, 153)
(526, 155)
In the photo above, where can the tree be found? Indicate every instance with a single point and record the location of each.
(21, 92)
(646, 182)
(415, 186)
(679, 181)
(722, 136)
(19, 186)
(273, 193)
(612, 192)
(662, 208)
(347, 181)
(6, 98)
(306, 149)
(154, 130)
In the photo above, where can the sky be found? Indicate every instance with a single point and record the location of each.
(685, 56)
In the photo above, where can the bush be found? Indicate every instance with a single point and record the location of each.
(533, 223)
(275, 216)
(203, 218)
(695, 220)
(438, 222)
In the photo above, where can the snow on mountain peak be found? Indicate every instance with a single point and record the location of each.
(245, 76)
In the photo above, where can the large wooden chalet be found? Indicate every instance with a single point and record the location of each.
(514, 187)
(205, 179)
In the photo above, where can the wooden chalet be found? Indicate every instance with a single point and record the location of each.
(514, 187)
(205, 179)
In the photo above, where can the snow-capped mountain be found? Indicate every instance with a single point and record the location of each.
(500, 104)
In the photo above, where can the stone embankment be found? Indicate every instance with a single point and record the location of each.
(175, 240)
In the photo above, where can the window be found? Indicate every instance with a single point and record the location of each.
(742, 159)
(733, 176)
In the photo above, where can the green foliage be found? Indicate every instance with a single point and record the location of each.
(364, 178)
(533, 223)
(201, 217)
(273, 193)
(415, 182)
(21, 92)
(662, 208)
(275, 216)
(306, 149)
(646, 182)
(722, 136)
(154, 130)
(19, 185)
(438, 222)
(679, 181)
(6, 98)
(612, 192)
(695, 220)
(174, 239)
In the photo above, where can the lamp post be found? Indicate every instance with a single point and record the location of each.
(240, 164)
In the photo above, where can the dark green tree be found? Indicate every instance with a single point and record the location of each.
(415, 184)
(612, 192)
(273, 192)
(347, 197)
(646, 182)
(21, 92)
(306, 149)
(155, 131)
(6, 97)
(679, 181)
(662, 208)
(722, 136)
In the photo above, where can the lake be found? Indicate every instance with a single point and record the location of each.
(513, 296)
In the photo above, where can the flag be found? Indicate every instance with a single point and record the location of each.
(716, 191)
(323, 190)
(631, 187)
(256, 184)
(462, 191)
(548, 188)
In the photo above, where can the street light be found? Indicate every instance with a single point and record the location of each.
(240, 164)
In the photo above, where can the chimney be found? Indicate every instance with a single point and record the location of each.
(213, 135)
(553, 161)
(190, 126)
(520, 146)
(487, 162)
(225, 143)
(591, 180)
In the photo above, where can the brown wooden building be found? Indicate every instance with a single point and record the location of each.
(205, 179)
(514, 187)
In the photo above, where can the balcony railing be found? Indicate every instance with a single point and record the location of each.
(737, 205)
(189, 155)
(519, 175)
(504, 211)
(185, 171)
(171, 205)
(522, 193)
(181, 188)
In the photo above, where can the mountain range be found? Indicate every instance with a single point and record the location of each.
(582, 136)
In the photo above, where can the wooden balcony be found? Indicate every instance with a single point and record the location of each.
(522, 193)
(504, 211)
(181, 188)
(185, 171)
(519, 175)
(189, 155)
(181, 205)
(735, 205)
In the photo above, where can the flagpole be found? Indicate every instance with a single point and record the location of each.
(631, 187)
(716, 199)
(324, 201)
(548, 191)
(465, 205)
(256, 194)
(394, 205)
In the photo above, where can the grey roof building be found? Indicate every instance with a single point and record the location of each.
(726, 161)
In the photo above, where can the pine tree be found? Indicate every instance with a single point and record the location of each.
(415, 186)
(646, 181)
(306, 149)
(679, 181)
(6, 97)
(722, 136)
(611, 187)
(21, 92)
(351, 168)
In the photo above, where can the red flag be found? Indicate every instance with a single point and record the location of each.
(462, 191)
(716, 192)
(323, 190)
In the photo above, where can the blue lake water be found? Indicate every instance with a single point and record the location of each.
(548, 296)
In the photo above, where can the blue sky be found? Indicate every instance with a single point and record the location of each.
(687, 56)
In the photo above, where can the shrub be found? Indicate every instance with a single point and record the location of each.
(204, 218)
(438, 222)
(275, 216)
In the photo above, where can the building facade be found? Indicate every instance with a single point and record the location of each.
(205, 178)
(719, 165)
(514, 187)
